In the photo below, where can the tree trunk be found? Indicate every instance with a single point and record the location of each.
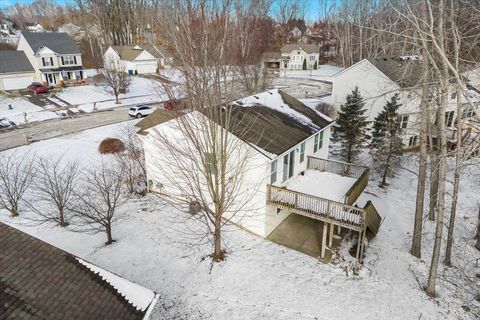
(434, 163)
(116, 99)
(422, 170)
(14, 211)
(456, 184)
(218, 253)
(62, 218)
(108, 230)
(432, 276)
(477, 236)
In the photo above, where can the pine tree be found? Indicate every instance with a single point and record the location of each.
(315, 65)
(386, 145)
(304, 64)
(351, 125)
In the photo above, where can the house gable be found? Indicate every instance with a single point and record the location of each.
(46, 51)
(145, 55)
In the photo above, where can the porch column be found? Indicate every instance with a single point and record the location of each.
(362, 247)
(324, 240)
(358, 248)
(73, 76)
(339, 229)
(330, 235)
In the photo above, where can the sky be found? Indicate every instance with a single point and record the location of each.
(312, 11)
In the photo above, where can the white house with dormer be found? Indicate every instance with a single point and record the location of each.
(55, 58)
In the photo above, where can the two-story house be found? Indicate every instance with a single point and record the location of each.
(54, 56)
(296, 57)
(279, 150)
(380, 78)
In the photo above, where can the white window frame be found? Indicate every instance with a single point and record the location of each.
(302, 152)
(68, 60)
(403, 121)
(318, 141)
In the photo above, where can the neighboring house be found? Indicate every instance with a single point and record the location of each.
(34, 27)
(135, 59)
(40, 281)
(54, 56)
(379, 79)
(16, 72)
(294, 55)
(288, 171)
(296, 33)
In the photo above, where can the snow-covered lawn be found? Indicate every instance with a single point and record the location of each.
(260, 279)
(142, 89)
(324, 72)
(23, 110)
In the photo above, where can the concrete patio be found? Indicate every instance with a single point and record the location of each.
(305, 235)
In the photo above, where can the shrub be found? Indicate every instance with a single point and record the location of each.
(111, 146)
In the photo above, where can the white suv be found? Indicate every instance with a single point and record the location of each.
(140, 111)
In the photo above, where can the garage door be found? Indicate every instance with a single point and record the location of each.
(146, 68)
(16, 83)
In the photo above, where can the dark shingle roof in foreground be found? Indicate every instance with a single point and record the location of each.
(59, 42)
(14, 61)
(40, 281)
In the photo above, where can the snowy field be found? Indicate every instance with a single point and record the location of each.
(260, 279)
(141, 90)
(323, 73)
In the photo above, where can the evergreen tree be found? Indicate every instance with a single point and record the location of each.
(315, 65)
(304, 64)
(351, 125)
(386, 145)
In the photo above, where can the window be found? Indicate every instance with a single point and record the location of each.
(318, 141)
(302, 152)
(449, 118)
(468, 112)
(413, 141)
(403, 121)
(47, 62)
(453, 95)
(285, 167)
(312, 58)
(273, 172)
(69, 60)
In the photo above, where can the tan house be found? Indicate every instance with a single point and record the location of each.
(16, 72)
(136, 59)
(293, 57)
(54, 56)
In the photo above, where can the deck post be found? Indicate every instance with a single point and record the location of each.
(358, 248)
(362, 247)
(324, 240)
(330, 235)
(339, 229)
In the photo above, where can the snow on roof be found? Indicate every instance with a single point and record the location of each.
(273, 100)
(140, 297)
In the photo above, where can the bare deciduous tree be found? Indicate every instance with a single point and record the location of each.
(115, 77)
(100, 201)
(54, 194)
(16, 175)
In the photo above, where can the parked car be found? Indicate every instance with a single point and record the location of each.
(174, 105)
(140, 111)
(37, 87)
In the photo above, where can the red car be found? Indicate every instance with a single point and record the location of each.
(37, 87)
(174, 104)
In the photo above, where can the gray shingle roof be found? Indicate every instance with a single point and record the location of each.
(59, 42)
(308, 48)
(14, 61)
(40, 281)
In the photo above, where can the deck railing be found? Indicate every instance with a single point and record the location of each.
(356, 190)
(338, 167)
(316, 207)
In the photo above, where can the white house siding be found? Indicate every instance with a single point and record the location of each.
(373, 85)
(274, 217)
(253, 201)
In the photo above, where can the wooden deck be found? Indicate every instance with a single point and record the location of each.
(331, 212)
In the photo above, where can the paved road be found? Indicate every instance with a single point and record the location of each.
(57, 127)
